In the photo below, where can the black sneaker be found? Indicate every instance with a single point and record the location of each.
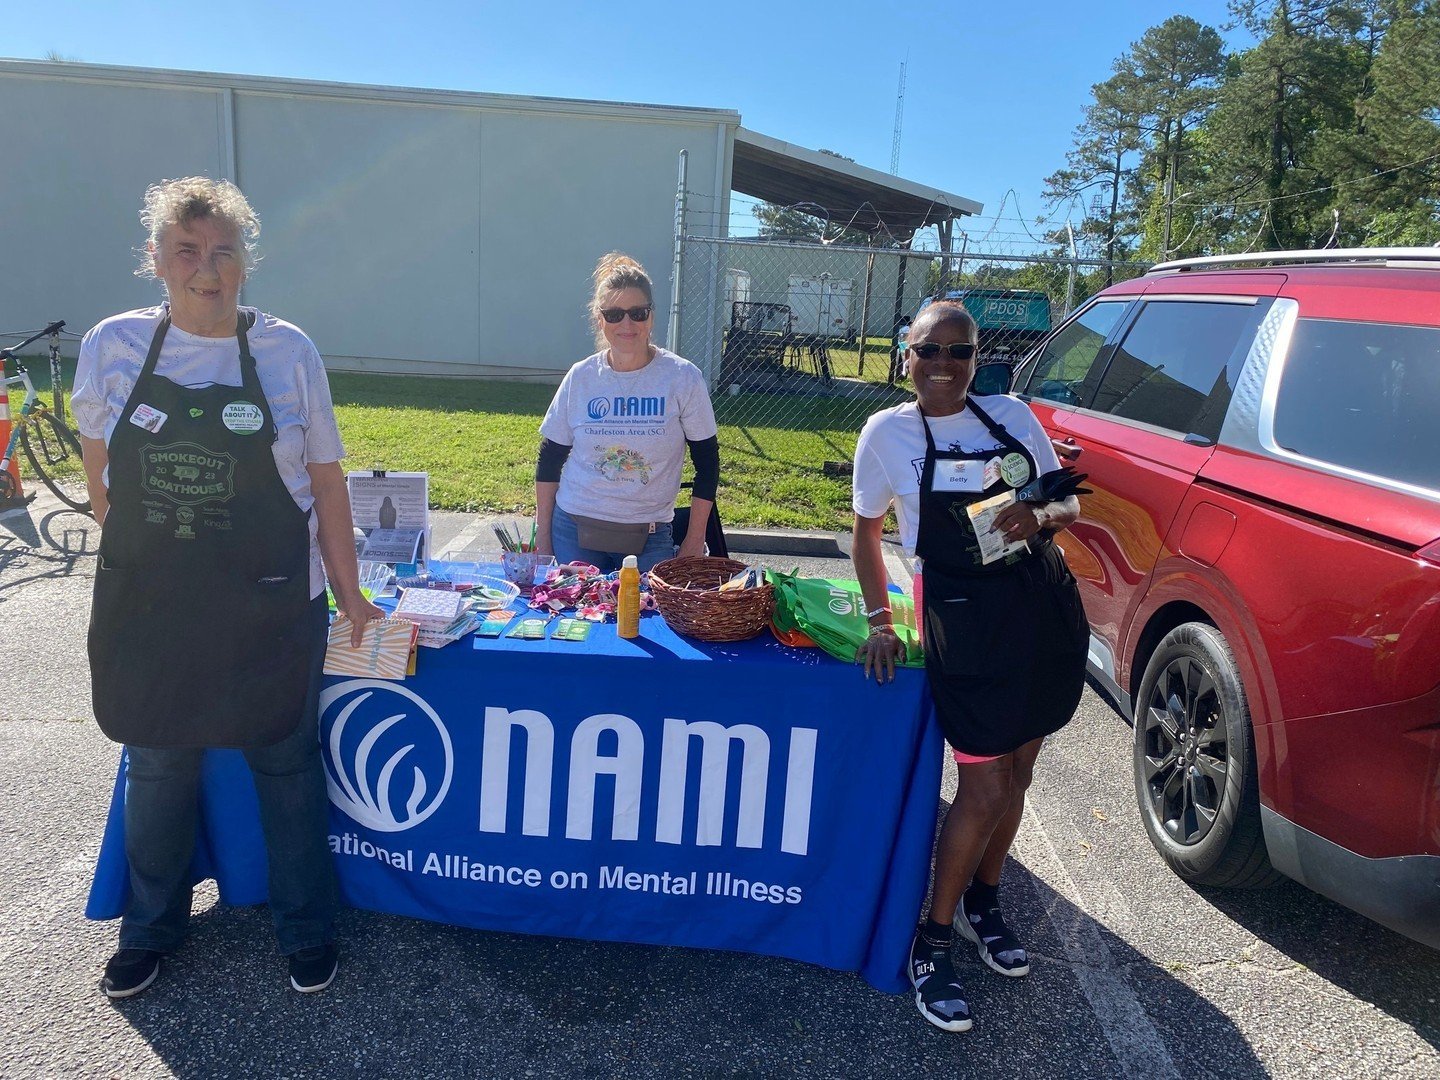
(997, 946)
(129, 972)
(312, 970)
(938, 993)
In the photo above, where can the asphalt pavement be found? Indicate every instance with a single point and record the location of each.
(1134, 974)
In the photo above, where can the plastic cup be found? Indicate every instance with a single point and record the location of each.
(520, 567)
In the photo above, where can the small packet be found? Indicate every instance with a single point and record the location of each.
(529, 630)
(749, 578)
(572, 630)
(494, 623)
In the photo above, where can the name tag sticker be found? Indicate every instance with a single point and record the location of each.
(149, 419)
(958, 476)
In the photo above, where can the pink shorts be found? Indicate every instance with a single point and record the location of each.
(962, 758)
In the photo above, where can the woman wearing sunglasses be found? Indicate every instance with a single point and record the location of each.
(614, 438)
(978, 494)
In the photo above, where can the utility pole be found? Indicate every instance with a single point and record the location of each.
(1169, 204)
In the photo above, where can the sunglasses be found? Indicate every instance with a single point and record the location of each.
(637, 314)
(960, 350)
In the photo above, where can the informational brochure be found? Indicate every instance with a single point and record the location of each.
(394, 546)
(392, 509)
(993, 545)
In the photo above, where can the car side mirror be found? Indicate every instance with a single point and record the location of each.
(992, 379)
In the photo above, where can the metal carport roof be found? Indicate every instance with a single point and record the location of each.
(852, 195)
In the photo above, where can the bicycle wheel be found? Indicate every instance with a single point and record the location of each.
(54, 453)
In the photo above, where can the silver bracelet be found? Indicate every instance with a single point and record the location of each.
(877, 611)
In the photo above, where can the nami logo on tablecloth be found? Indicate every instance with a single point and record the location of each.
(388, 757)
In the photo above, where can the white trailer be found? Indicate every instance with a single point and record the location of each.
(820, 305)
(737, 288)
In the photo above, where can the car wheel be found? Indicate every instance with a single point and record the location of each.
(1194, 762)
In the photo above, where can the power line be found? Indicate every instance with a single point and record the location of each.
(1313, 191)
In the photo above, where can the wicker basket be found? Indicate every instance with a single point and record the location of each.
(685, 593)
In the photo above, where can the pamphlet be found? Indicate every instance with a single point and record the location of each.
(392, 509)
(495, 623)
(572, 630)
(993, 545)
(384, 651)
(394, 546)
(529, 630)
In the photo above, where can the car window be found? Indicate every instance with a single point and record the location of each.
(1173, 369)
(1060, 371)
(1364, 396)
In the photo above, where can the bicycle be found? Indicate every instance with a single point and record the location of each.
(50, 446)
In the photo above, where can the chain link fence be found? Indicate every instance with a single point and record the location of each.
(801, 336)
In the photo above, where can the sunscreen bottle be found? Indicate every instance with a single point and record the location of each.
(627, 600)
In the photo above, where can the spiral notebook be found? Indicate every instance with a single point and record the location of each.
(386, 651)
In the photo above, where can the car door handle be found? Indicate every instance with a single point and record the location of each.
(1068, 449)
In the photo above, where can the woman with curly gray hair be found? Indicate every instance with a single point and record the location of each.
(213, 461)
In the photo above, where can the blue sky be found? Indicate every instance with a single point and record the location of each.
(993, 94)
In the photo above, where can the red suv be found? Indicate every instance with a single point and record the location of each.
(1260, 562)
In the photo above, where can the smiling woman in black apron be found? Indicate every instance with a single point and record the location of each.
(213, 462)
(978, 494)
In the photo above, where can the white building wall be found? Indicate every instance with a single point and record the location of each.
(404, 230)
(78, 156)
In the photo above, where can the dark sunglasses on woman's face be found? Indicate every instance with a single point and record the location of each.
(960, 350)
(637, 314)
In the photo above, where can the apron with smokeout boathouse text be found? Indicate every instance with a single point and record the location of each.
(1005, 642)
(198, 632)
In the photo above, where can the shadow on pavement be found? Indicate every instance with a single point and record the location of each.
(415, 997)
(48, 548)
(1398, 976)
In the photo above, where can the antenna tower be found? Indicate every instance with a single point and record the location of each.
(899, 118)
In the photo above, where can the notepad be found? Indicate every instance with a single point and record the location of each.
(430, 609)
(384, 651)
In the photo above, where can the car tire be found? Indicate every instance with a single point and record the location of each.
(1194, 763)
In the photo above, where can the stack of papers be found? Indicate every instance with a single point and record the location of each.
(430, 609)
(385, 652)
(438, 639)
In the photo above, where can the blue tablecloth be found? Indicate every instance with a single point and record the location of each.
(752, 797)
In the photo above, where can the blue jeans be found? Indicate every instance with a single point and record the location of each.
(565, 541)
(162, 813)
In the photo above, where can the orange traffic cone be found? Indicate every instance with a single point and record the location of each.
(10, 489)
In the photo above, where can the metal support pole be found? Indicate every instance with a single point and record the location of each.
(865, 309)
(899, 312)
(672, 331)
(946, 234)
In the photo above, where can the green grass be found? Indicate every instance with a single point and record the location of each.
(845, 360)
(478, 438)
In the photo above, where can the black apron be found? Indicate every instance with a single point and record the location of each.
(1005, 642)
(199, 635)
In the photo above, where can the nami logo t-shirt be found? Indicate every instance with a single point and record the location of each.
(627, 431)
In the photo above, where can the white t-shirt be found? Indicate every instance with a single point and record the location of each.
(627, 431)
(287, 362)
(891, 454)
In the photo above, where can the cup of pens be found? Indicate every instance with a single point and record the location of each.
(520, 558)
